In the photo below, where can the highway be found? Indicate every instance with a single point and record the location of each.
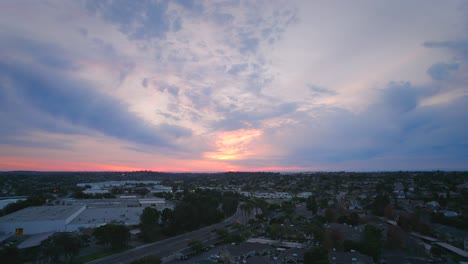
(167, 247)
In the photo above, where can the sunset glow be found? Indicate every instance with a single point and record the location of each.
(233, 85)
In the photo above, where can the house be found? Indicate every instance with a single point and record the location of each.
(293, 255)
(237, 253)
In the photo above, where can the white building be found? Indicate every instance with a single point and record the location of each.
(39, 219)
(86, 213)
(95, 217)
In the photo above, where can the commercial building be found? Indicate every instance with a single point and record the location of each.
(78, 214)
(39, 219)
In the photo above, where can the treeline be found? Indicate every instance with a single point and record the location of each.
(36, 200)
(196, 209)
(460, 222)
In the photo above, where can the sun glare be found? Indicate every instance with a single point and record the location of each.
(234, 145)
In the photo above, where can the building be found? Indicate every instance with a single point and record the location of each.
(98, 216)
(239, 253)
(39, 219)
(78, 214)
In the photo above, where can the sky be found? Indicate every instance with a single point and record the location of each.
(204, 86)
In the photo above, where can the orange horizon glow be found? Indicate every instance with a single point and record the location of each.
(40, 164)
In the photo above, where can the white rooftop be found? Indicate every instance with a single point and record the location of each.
(95, 216)
(41, 213)
(455, 250)
(35, 240)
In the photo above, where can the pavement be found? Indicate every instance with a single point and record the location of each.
(167, 247)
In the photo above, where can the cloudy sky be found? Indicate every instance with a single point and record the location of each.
(233, 85)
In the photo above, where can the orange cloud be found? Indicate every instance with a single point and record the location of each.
(233, 145)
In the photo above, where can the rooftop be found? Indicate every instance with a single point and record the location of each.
(128, 215)
(246, 247)
(455, 250)
(41, 213)
(35, 240)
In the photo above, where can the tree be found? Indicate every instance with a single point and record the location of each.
(353, 219)
(229, 203)
(388, 211)
(196, 245)
(333, 238)
(148, 260)
(149, 224)
(117, 236)
(317, 255)
(276, 231)
(330, 215)
(35, 200)
(61, 244)
(372, 242)
(379, 203)
(349, 245)
(311, 204)
(166, 216)
(10, 255)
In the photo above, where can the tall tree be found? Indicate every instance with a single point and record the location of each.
(372, 242)
(149, 224)
(117, 236)
(67, 245)
(10, 255)
(317, 255)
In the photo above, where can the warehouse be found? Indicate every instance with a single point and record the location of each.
(95, 217)
(39, 219)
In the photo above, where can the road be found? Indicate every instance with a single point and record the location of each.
(167, 247)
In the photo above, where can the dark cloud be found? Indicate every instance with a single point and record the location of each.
(170, 89)
(442, 71)
(394, 126)
(137, 19)
(192, 5)
(460, 47)
(144, 82)
(76, 104)
(200, 98)
(223, 18)
(238, 68)
(177, 24)
(47, 54)
(320, 90)
(239, 119)
(398, 97)
(249, 44)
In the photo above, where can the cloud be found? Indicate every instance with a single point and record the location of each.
(320, 90)
(21, 47)
(79, 104)
(460, 47)
(254, 118)
(170, 89)
(238, 68)
(223, 18)
(144, 83)
(442, 71)
(393, 126)
(293, 84)
(398, 97)
(137, 19)
(248, 43)
(192, 5)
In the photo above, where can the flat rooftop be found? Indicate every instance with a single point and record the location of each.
(128, 215)
(41, 213)
(35, 240)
